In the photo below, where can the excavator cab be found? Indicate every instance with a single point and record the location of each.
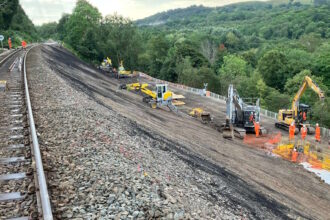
(250, 115)
(240, 115)
(162, 93)
(304, 113)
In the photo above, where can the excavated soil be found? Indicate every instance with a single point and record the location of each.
(109, 155)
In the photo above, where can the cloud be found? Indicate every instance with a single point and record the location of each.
(43, 11)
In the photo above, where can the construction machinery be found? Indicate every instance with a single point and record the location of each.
(106, 65)
(161, 97)
(200, 113)
(240, 116)
(122, 73)
(299, 113)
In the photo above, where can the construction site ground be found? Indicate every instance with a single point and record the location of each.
(233, 180)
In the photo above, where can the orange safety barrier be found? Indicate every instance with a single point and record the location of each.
(316, 164)
(275, 139)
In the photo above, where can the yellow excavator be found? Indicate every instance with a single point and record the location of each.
(122, 73)
(106, 65)
(161, 97)
(299, 112)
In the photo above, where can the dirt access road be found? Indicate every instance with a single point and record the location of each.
(268, 187)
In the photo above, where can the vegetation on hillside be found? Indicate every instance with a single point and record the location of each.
(264, 49)
(15, 24)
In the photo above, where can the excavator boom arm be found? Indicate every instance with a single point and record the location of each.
(310, 83)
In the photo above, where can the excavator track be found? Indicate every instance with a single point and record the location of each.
(229, 132)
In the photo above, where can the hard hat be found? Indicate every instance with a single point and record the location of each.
(257, 122)
(317, 124)
(292, 123)
(304, 126)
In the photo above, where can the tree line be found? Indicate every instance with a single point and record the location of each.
(14, 23)
(265, 50)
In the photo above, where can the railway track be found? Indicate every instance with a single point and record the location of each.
(23, 189)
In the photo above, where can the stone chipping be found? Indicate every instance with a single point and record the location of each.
(100, 165)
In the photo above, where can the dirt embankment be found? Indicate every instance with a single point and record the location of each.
(101, 139)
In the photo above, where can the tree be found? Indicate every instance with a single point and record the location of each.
(209, 50)
(234, 65)
(61, 31)
(321, 63)
(8, 9)
(158, 50)
(298, 60)
(120, 41)
(48, 30)
(233, 71)
(275, 100)
(272, 67)
(187, 75)
(321, 111)
(82, 27)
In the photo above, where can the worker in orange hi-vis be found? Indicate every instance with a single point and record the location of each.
(304, 116)
(317, 133)
(24, 44)
(294, 155)
(256, 128)
(9, 43)
(303, 132)
(292, 129)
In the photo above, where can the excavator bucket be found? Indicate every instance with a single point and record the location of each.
(227, 130)
(200, 113)
(206, 117)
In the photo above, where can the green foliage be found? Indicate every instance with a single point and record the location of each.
(15, 24)
(8, 10)
(321, 63)
(233, 71)
(48, 30)
(272, 67)
(275, 100)
(61, 31)
(196, 77)
(292, 86)
(120, 41)
(321, 111)
(260, 47)
(81, 29)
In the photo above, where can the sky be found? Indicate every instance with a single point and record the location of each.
(43, 11)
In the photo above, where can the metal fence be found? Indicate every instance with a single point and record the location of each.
(324, 131)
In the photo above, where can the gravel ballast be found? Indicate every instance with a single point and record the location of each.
(101, 165)
(111, 156)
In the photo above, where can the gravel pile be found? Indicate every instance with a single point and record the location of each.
(103, 166)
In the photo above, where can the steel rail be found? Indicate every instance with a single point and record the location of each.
(8, 56)
(45, 202)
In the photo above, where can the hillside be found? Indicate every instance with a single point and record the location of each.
(192, 12)
(15, 23)
(262, 19)
(262, 48)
